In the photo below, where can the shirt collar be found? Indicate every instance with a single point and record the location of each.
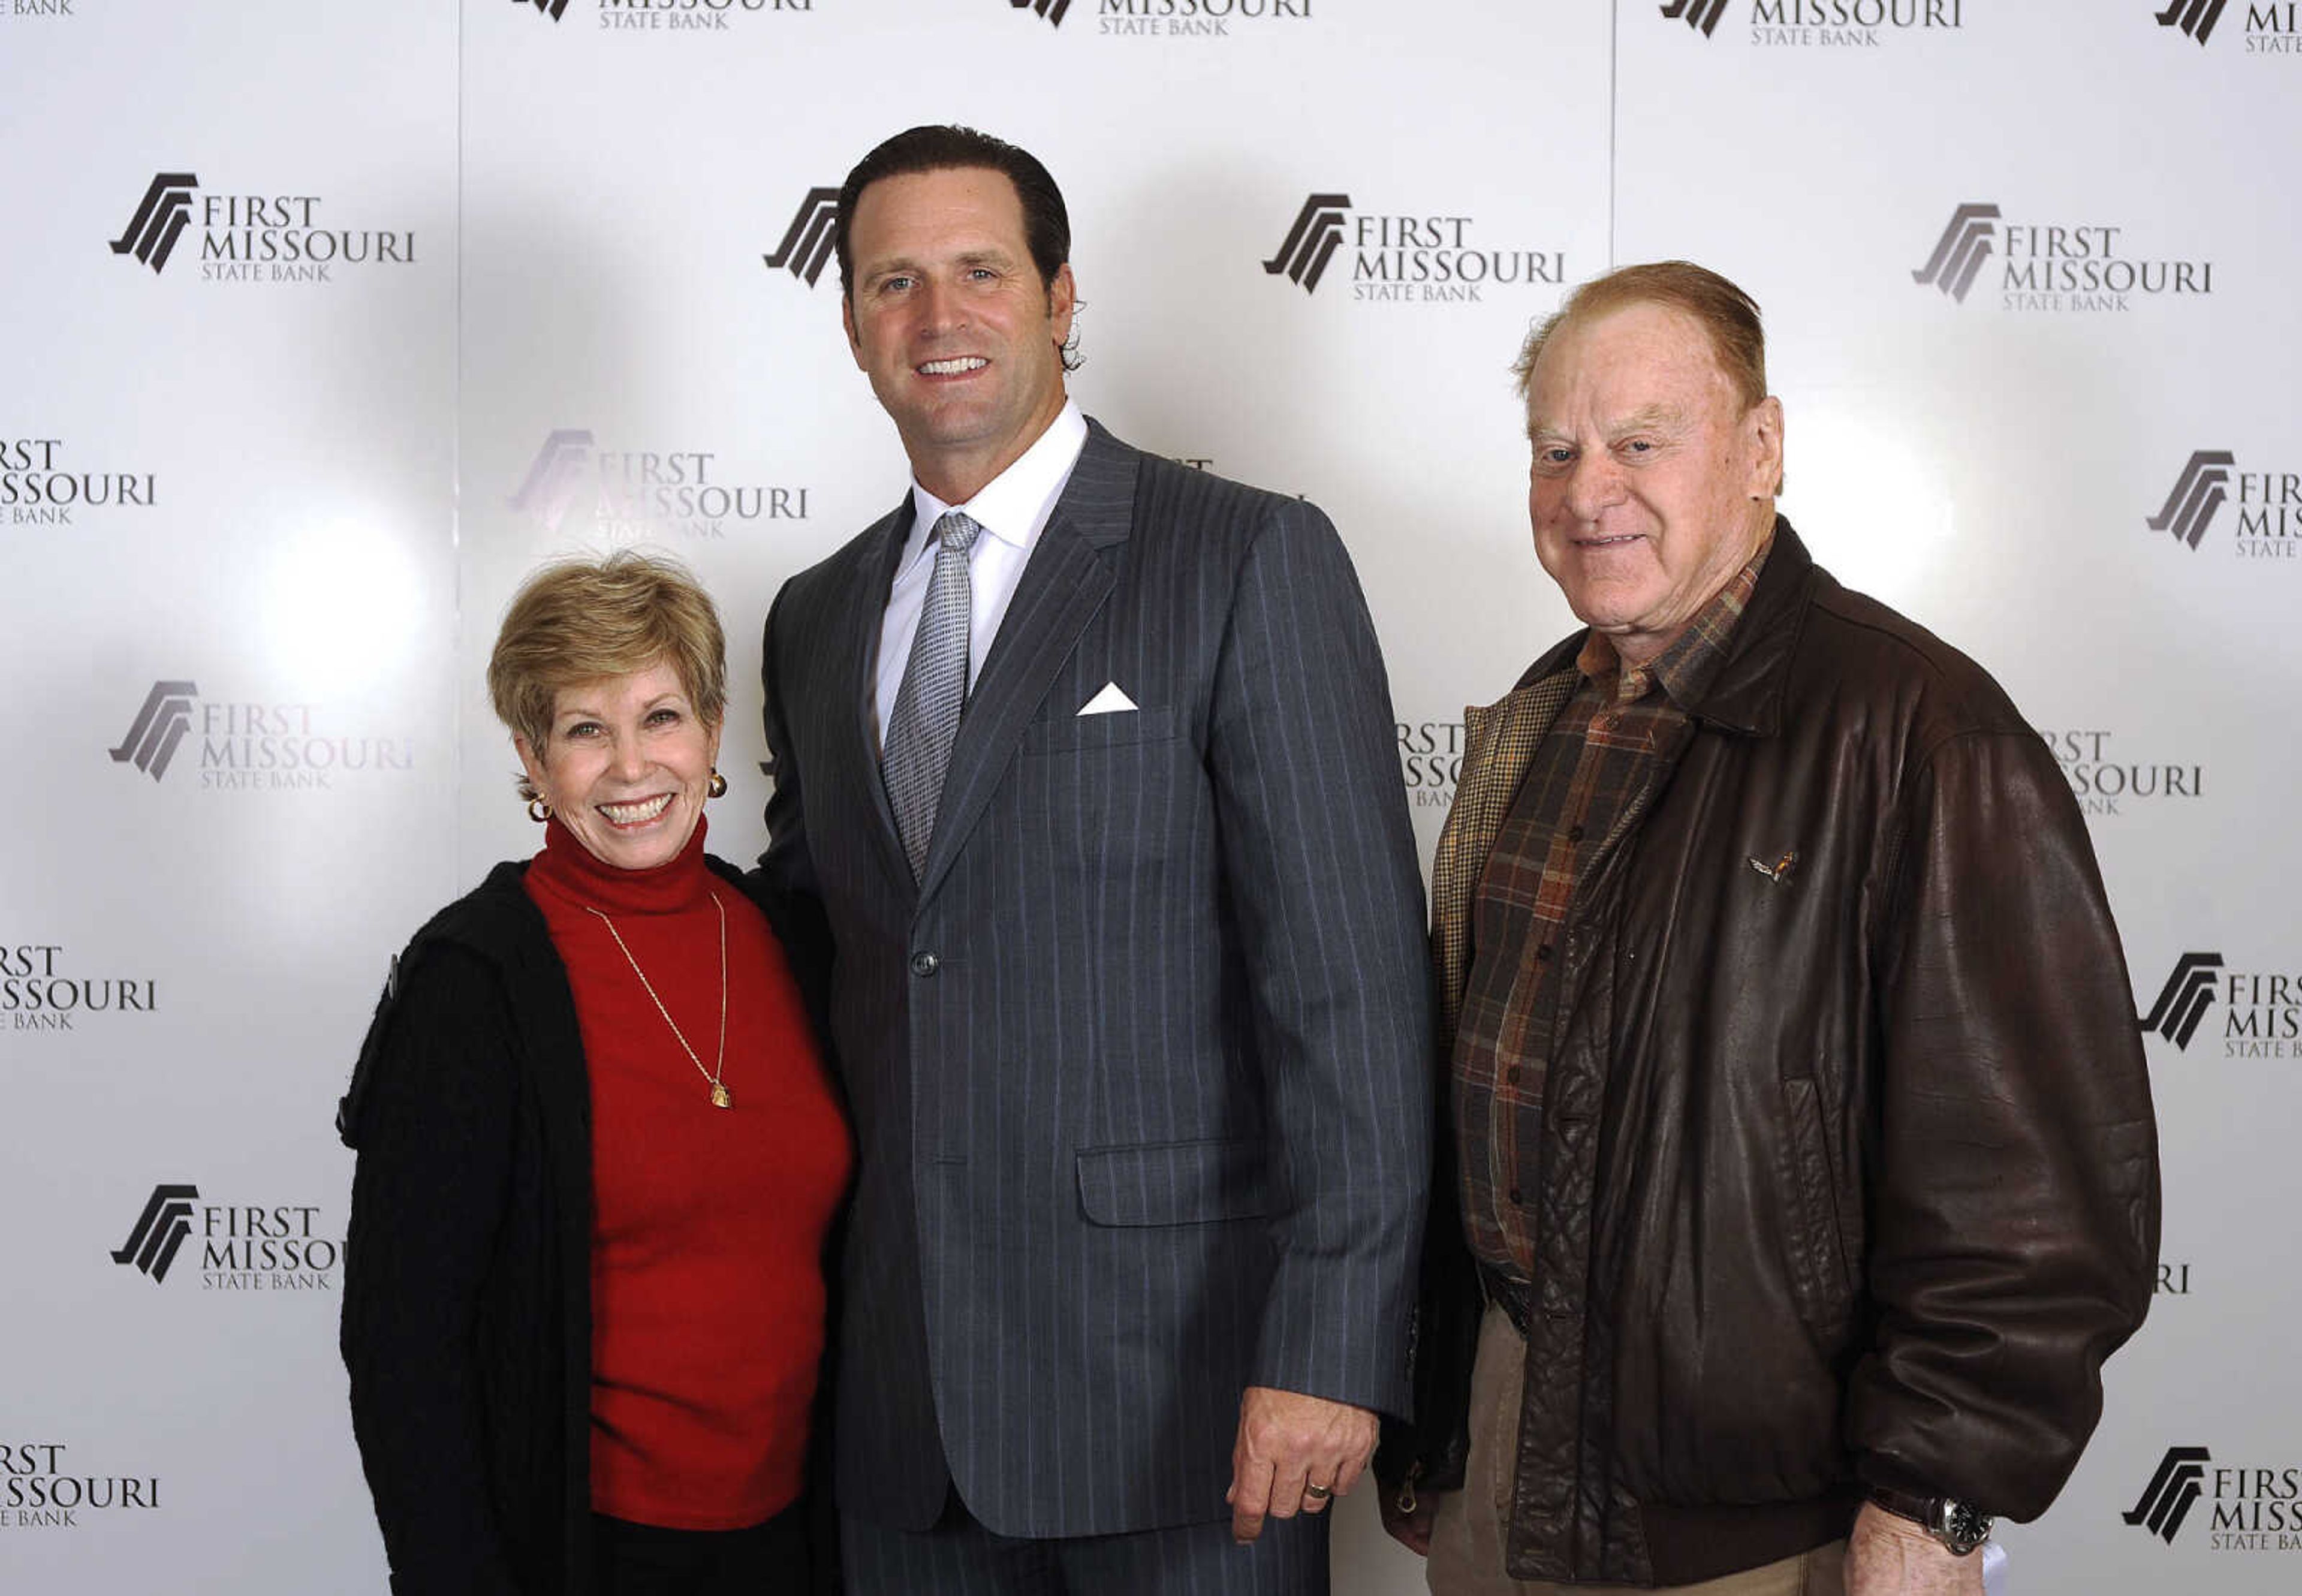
(1685, 668)
(1015, 504)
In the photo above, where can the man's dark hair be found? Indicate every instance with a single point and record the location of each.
(1046, 224)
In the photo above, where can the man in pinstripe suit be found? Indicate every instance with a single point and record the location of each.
(1132, 1006)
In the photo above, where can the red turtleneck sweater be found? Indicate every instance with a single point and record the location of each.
(708, 1223)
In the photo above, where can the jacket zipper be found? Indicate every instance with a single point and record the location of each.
(1406, 1501)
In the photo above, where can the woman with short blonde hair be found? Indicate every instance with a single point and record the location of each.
(598, 1154)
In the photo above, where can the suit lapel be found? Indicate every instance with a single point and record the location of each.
(1065, 583)
(855, 645)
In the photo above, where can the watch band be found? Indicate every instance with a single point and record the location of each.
(1919, 1509)
(1960, 1527)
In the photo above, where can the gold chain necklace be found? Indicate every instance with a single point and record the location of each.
(719, 1097)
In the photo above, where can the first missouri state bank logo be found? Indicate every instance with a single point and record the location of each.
(2196, 18)
(244, 236)
(667, 16)
(39, 1490)
(40, 486)
(160, 1232)
(2273, 30)
(628, 493)
(160, 219)
(2183, 1002)
(808, 242)
(2250, 1508)
(2054, 266)
(243, 1247)
(2261, 1008)
(1392, 257)
(556, 477)
(1958, 254)
(2269, 506)
(1311, 242)
(2197, 494)
(160, 725)
(2172, 1491)
(1825, 24)
(1170, 18)
(246, 745)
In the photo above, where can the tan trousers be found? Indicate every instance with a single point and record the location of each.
(1467, 1538)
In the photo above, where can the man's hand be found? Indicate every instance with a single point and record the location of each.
(1287, 1443)
(1410, 1530)
(1887, 1555)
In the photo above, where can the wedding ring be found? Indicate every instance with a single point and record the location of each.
(1317, 1494)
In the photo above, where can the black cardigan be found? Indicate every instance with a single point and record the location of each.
(467, 1314)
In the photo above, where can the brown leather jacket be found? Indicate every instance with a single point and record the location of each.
(1849, 1170)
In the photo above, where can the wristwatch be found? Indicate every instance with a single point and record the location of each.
(1961, 1527)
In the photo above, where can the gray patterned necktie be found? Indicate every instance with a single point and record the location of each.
(924, 720)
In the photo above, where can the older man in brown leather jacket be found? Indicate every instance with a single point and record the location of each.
(1799, 1171)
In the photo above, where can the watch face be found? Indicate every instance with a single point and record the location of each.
(1965, 1526)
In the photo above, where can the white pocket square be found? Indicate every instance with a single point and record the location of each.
(1110, 700)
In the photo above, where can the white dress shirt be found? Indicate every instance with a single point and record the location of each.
(1012, 509)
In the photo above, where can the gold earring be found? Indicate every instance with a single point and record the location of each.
(717, 786)
(538, 811)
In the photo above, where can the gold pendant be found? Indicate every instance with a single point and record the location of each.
(719, 1097)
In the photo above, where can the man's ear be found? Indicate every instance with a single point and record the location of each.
(1766, 423)
(1063, 300)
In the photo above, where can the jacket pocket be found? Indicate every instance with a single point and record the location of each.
(1817, 1247)
(1066, 733)
(1172, 1183)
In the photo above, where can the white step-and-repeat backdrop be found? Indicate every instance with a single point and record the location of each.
(322, 324)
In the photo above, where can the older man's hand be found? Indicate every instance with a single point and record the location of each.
(1887, 1555)
(1287, 1443)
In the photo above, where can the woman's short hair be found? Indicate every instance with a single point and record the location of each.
(584, 619)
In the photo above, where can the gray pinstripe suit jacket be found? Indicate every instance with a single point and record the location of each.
(1140, 1070)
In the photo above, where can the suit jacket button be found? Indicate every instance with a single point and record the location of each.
(925, 964)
